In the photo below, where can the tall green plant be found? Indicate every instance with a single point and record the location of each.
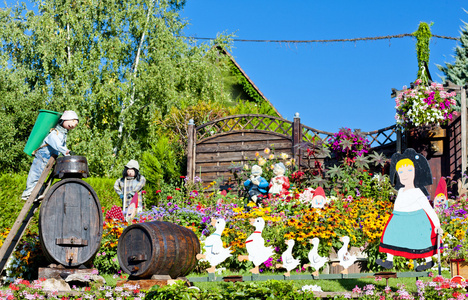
(423, 37)
(160, 166)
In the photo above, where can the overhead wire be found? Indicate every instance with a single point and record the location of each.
(396, 36)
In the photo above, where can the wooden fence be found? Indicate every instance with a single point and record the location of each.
(217, 146)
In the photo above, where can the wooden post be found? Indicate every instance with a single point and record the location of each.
(297, 139)
(25, 215)
(191, 142)
(398, 140)
(463, 128)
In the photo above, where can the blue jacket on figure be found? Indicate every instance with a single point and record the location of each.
(257, 185)
(53, 144)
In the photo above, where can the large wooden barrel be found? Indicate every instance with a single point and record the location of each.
(70, 223)
(157, 248)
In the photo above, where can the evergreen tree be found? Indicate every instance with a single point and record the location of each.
(458, 71)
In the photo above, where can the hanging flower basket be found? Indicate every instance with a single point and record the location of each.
(425, 105)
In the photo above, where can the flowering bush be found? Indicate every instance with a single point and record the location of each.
(424, 105)
(454, 221)
(27, 258)
(347, 144)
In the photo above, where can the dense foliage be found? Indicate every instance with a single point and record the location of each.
(123, 66)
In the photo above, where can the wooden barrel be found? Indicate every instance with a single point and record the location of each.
(71, 166)
(157, 248)
(70, 223)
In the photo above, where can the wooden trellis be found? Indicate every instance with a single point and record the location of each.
(217, 146)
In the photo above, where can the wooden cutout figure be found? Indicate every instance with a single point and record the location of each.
(346, 260)
(315, 260)
(132, 208)
(256, 184)
(279, 184)
(215, 253)
(412, 229)
(289, 262)
(441, 199)
(319, 199)
(255, 245)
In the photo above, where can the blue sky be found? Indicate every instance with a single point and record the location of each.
(331, 85)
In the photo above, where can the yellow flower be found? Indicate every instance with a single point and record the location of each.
(284, 156)
(257, 154)
(272, 156)
(267, 150)
(261, 161)
(246, 167)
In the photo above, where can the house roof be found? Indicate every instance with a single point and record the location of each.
(223, 51)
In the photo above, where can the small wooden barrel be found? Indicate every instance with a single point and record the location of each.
(157, 248)
(70, 223)
(71, 166)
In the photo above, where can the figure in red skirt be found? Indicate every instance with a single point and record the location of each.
(412, 229)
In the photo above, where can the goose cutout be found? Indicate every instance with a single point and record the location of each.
(215, 253)
(255, 245)
(315, 260)
(289, 262)
(346, 260)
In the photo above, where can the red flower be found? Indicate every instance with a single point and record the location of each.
(177, 189)
(143, 192)
(182, 177)
(158, 191)
(169, 197)
(14, 287)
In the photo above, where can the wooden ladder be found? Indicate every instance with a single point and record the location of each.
(26, 214)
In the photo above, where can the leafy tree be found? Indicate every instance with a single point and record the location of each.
(122, 65)
(458, 71)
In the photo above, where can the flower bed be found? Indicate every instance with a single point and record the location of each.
(432, 289)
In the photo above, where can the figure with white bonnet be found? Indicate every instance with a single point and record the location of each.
(53, 145)
(131, 184)
(279, 184)
(256, 185)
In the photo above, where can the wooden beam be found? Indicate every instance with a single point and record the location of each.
(463, 128)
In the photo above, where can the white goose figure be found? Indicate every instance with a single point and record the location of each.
(255, 245)
(289, 262)
(215, 253)
(346, 259)
(316, 261)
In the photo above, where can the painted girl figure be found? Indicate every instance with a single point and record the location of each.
(412, 229)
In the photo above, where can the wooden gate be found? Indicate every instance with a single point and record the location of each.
(217, 146)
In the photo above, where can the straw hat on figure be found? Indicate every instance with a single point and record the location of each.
(412, 229)
(54, 144)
